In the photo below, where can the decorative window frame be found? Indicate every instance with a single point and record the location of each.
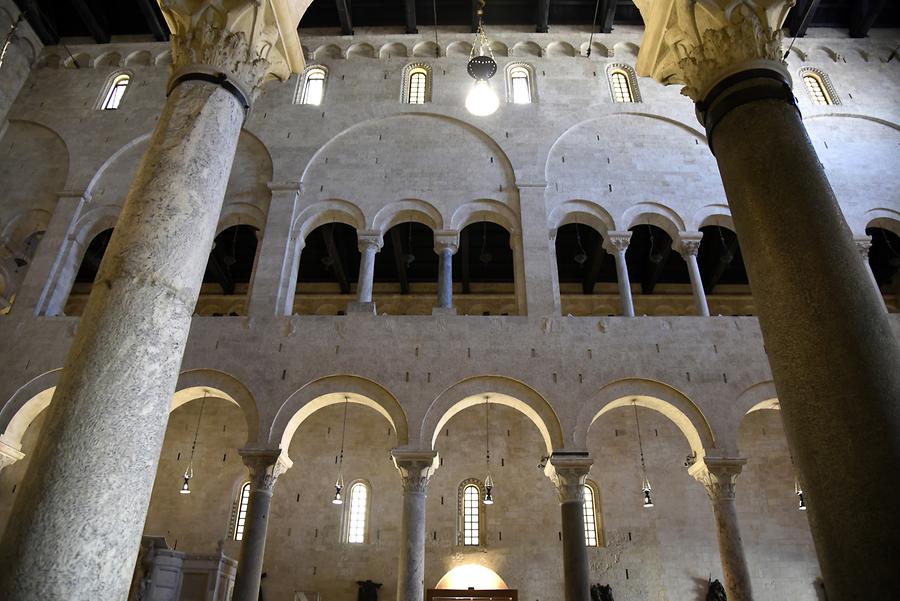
(300, 92)
(460, 513)
(345, 525)
(598, 514)
(407, 74)
(628, 70)
(108, 86)
(532, 84)
(236, 509)
(824, 81)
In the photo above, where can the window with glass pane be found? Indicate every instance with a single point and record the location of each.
(521, 90)
(116, 91)
(243, 503)
(816, 90)
(356, 523)
(590, 517)
(471, 526)
(417, 81)
(314, 87)
(621, 90)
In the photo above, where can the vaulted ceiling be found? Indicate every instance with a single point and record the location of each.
(102, 19)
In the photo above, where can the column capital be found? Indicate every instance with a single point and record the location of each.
(568, 472)
(369, 239)
(446, 239)
(265, 466)
(863, 244)
(617, 241)
(700, 43)
(689, 243)
(9, 454)
(415, 467)
(718, 475)
(240, 43)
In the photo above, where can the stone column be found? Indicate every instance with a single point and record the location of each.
(76, 525)
(617, 244)
(830, 344)
(415, 469)
(265, 466)
(445, 245)
(370, 244)
(863, 244)
(690, 246)
(718, 475)
(568, 473)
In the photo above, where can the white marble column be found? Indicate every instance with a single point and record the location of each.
(265, 466)
(718, 476)
(370, 243)
(415, 467)
(689, 243)
(446, 244)
(568, 473)
(863, 244)
(617, 244)
(76, 524)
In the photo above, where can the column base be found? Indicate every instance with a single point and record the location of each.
(363, 308)
(443, 310)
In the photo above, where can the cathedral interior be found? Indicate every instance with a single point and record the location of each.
(538, 300)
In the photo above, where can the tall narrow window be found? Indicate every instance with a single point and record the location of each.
(815, 89)
(520, 85)
(240, 520)
(417, 80)
(590, 517)
(357, 513)
(115, 92)
(313, 86)
(618, 84)
(471, 507)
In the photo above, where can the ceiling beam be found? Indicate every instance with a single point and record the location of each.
(41, 26)
(475, 5)
(593, 270)
(607, 14)
(800, 17)
(721, 264)
(411, 26)
(654, 270)
(400, 260)
(157, 27)
(337, 265)
(95, 22)
(862, 16)
(464, 261)
(343, 8)
(543, 16)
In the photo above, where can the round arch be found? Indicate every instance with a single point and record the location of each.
(327, 211)
(501, 390)
(714, 214)
(581, 211)
(410, 209)
(759, 396)
(25, 405)
(654, 213)
(650, 394)
(332, 390)
(241, 213)
(194, 383)
(886, 219)
(483, 210)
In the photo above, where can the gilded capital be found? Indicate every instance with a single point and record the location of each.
(246, 41)
(718, 475)
(699, 42)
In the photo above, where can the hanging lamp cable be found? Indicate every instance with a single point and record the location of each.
(343, 433)
(197, 431)
(437, 48)
(640, 441)
(593, 29)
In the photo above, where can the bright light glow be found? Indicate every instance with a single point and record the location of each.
(482, 101)
(471, 575)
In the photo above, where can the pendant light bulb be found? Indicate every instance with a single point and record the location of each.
(801, 504)
(488, 487)
(482, 100)
(186, 485)
(339, 483)
(648, 500)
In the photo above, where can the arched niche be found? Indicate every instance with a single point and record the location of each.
(36, 158)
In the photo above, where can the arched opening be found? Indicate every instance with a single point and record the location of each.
(406, 271)
(329, 270)
(884, 259)
(660, 270)
(229, 272)
(723, 273)
(484, 271)
(14, 266)
(87, 272)
(587, 272)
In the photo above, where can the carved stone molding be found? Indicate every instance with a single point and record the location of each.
(568, 473)
(415, 467)
(617, 242)
(689, 243)
(718, 476)
(699, 43)
(265, 465)
(863, 244)
(367, 240)
(446, 239)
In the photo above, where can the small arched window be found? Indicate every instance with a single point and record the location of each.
(592, 534)
(240, 518)
(520, 85)
(313, 90)
(618, 84)
(358, 513)
(417, 84)
(114, 91)
(818, 87)
(471, 514)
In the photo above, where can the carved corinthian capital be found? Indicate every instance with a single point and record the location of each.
(247, 41)
(265, 465)
(568, 473)
(699, 42)
(718, 476)
(415, 467)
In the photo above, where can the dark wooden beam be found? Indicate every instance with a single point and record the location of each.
(543, 16)
(594, 265)
(44, 30)
(862, 16)
(157, 26)
(411, 26)
(337, 265)
(475, 18)
(800, 17)
(607, 14)
(400, 260)
(721, 264)
(343, 8)
(95, 22)
(464, 260)
(654, 270)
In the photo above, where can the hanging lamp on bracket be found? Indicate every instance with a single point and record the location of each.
(645, 483)
(339, 483)
(488, 481)
(189, 472)
(482, 100)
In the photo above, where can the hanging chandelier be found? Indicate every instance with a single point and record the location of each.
(189, 472)
(645, 483)
(482, 100)
(339, 483)
(488, 481)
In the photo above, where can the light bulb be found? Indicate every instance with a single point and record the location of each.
(488, 499)
(802, 505)
(338, 487)
(482, 101)
(648, 502)
(186, 486)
